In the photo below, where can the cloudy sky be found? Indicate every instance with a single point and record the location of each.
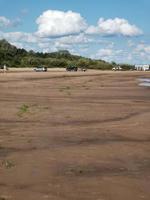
(112, 30)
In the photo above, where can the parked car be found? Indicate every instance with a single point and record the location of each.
(117, 68)
(83, 69)
(72, 68)
(40, 69)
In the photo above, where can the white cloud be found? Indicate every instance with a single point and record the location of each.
(138, 54)
(61, 46)
(4, 22)
(18, 36)
(109, 54)
(142, 51)
(53, 23)
(75, 39)
(78, 42)
(130, 43)
(105, 53)
(117, 26)
(16, 22)
(23, 37)
(143, 48)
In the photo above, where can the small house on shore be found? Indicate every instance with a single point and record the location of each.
(142, 67)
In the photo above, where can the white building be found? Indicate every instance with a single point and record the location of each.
(142, 67)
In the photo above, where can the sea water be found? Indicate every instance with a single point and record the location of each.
(144, 82)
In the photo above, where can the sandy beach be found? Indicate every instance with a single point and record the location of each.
(74, 135)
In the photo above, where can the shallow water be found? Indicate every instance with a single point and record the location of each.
(144, 82)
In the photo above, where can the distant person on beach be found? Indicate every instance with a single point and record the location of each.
(5, 68)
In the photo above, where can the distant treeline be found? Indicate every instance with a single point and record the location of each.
(15, 57)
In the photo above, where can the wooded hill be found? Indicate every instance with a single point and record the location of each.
(15, 57)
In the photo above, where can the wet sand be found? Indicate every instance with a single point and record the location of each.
(74, 136)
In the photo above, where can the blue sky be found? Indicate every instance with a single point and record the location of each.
(112, 30)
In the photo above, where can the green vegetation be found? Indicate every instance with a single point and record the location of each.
(23, 109)
(15, 57)
(127, 67)
(31, 109)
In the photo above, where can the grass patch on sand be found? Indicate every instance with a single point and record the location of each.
(66, 89)
(7, 164)
(23, 109)
(31, 109)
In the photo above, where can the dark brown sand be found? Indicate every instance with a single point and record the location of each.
(74, 136)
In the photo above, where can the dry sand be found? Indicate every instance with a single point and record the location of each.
(74, 136)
